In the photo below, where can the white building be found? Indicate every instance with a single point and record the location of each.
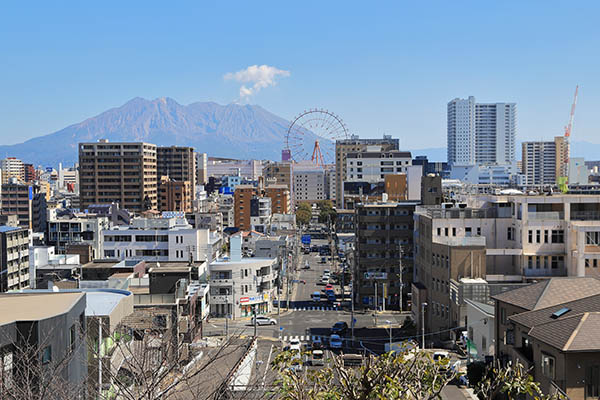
(41, 256)
(373, 164)
(249, 169)
(480, 133)
(12, 168)
(77, 228)
(260, 214)
(161, 239)
(238, 286)
(480, 327)
(578, 172)
(499, 175)
(308, 183)
(539, 162)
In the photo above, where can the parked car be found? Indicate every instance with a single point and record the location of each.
(324, 280)
(317, 343)
(335, 342)
(323, 260)
(329, 287)
(317, 358)
(340, 328)
(295, 345)
(261, 320)
(306, 265)
(316, 297)
(331, 297)
(326, 271)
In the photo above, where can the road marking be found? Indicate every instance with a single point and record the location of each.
(267, 367)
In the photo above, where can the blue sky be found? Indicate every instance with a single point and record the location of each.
(384, 67)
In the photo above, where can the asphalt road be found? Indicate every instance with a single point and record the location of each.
(306, 319)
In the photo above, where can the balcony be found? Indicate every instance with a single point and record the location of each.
(585, 215)
(460, 241)
(547, 215)
(544, 272)
(221, 282)
(221, 299)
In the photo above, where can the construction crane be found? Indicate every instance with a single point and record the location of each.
(564, 179)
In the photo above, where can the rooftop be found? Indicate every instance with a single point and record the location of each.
(575, 333)
(35, 306)
(244, 261)
(551, 292)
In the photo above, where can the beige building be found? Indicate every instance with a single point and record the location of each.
(124, 172)
(12, 168)
(353, 145)
(544, 162)
(201, 168)
(280, 198)
(14, 257)
(178, 163)
(281, 171)
(174, 195)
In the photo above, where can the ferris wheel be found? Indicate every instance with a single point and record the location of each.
(312, 135)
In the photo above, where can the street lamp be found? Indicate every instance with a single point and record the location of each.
(390, 324)
(423, 305)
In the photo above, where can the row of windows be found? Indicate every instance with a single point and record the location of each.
(554, 236)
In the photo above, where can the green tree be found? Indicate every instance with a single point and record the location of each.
(327, 213)
(303, 214)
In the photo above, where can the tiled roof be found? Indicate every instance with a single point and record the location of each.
(576, 333)
(551, 292)
(540, 316)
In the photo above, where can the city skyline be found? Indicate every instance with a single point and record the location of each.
(66, 65)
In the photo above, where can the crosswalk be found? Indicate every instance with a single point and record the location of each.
(315, 308)
(303, 338)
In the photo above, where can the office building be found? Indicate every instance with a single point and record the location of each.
(14, 258)
(174, 195)
(481, 133)
(383, 253)
(248, 169)
(501, 238)
(354, 145)
(118, 172)
(373, 164)
(178, 163)
(309, 183)
(280, 198)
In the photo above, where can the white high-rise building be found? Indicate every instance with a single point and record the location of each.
(481, 133)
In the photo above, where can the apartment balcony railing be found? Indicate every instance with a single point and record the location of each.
(547, 215)
(585, 215)
(533, 272)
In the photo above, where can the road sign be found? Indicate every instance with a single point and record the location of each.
(306, 239)
(281, 328)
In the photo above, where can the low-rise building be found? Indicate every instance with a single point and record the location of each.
(76, 228)
(51, 326)
(160, 239)
(240, 286)
(551, 328)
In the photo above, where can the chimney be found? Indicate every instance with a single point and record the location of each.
(235, 247)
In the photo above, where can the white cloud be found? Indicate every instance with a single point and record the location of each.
(259, 76)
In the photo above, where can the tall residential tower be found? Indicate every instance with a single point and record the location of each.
(481, 133)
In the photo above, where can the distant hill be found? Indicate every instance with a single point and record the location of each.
(233, 131)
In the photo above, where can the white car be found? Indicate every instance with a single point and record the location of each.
(295, 345)
(264, 321)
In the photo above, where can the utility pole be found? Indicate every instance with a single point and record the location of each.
(254, 312)
(401, 253)
(423, 305)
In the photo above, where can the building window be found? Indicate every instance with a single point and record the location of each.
(529, 262)
(530, 236)
(503, 315)
(439, 231)
(548, 364)
(558, 236)
(72, 337)
(538, 238)
(509, 234)
(453, 231)
(446, 231)
(592, 379)
(47, 354)
(545, 235)
(478, 231)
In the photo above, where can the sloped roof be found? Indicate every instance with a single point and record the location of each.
(540, 316)
(551, 292)
(575, 333)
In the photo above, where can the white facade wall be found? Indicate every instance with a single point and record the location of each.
(362, 168)
(309, 184)
(480, 133)
(480, 326)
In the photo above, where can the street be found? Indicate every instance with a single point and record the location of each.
(306, 319)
